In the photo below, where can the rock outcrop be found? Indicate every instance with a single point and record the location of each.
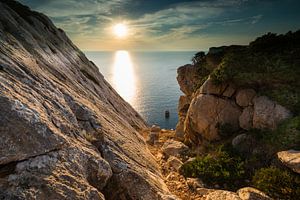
(249, 193)
(206, 112)
(64, 132)
(290, 159)
(268, 114)
(188, 79)
(174, 148)
(212, 107)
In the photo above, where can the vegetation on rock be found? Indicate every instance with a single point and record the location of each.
(270, 65)
(218, 167)
(277, 183)
(286, 136)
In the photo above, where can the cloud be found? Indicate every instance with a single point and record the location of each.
(188, 19)
(166, 23)
(256, 19)
(65, 8)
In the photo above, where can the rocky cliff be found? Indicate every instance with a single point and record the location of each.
(239, 88)
(240, 116)
(64, 132)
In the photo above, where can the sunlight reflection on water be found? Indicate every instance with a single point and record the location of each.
(124, 80)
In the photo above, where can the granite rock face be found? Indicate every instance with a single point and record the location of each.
(203, 112)
(268, 114)
(206, 112)
(64, 131)
(187, 79)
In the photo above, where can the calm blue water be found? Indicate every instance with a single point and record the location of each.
(147, 80)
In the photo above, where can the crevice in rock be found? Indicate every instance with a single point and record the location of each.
(7, 169)
(112, 105)
(89, 76)
(112, 192)
(10, 168)
(82, 120)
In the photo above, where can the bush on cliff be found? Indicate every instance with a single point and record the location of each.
(203, 71)
(277, 183)
(286, 136)
(216, 168)
(270, 64)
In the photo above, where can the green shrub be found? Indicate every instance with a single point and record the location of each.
(277, 183)
(216, 168)
(286, 136)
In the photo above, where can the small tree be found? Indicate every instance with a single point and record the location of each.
(198, 57)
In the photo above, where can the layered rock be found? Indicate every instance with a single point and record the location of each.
(64, 132)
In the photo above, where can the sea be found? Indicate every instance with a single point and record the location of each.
(146, 80)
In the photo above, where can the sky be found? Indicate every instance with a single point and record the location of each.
(168, 25)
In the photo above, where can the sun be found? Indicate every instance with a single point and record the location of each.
(120, 30)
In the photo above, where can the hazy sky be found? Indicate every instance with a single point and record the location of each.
(169, 24)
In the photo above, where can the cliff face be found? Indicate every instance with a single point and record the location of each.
(64, 132)
(238, 88)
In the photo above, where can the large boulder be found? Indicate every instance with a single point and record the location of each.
(188, 79)
(64, 131)
(246, 118)
(291, 159)
(174, 148)
(244, 97)
(207, 113)
(174, 163)
(268, 114)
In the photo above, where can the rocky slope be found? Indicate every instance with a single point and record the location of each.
(64, 132)
(172, 155)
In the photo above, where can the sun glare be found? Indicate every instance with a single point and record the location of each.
(120, 30)
(123, 76)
